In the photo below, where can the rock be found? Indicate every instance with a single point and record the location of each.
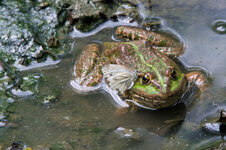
(86, 8)
(126, 133)
(50, 98)
(29, 85)
(53, 42)
(7, 80)
(19, 146)
(88, 14)
(219, 26)
(25, 30)
(215, 123)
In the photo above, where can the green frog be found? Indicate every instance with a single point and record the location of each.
(139, 67)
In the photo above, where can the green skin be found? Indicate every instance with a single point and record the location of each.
(145, 52)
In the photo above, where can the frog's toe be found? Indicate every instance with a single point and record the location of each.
(200, 80)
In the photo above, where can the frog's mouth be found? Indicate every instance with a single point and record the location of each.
(159, 100)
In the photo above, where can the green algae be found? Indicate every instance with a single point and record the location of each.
(8, 76)
(31, 82)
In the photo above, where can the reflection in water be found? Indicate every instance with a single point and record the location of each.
(162, 122)
(222, 130)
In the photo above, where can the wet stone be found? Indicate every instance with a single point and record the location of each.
(47, 100)
(83, 8)
(7, 80)
(35, 85)
(219, 27)
(86, 15)
(29, 85)
(215, 123)
(20, 93)
(19, 146)
(125, 133)
(25, 30)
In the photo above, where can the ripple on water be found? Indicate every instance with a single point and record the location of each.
(219, 26)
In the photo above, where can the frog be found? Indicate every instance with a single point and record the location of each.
(139, 67)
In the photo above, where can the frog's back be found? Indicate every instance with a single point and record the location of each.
(127, 53)
(135, 55)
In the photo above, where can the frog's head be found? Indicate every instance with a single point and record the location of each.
(155, 81)
(160, 83)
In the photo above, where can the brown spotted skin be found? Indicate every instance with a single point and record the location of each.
(161, 43)
(85, 65)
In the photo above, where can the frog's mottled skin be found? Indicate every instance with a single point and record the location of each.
(145, 52)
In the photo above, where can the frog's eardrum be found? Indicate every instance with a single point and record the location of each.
(119, 77)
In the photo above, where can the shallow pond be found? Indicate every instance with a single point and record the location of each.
(87, 121)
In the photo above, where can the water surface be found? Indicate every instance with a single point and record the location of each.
(87, 121)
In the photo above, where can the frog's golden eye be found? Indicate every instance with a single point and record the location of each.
(172, 73)
(146, 79)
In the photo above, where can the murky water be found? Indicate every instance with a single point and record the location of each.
(87, 121)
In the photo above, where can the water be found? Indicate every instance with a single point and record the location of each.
(88, 121)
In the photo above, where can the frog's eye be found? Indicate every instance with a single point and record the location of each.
(172, 73)
(146, 79)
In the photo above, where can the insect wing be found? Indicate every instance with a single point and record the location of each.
(119, 77)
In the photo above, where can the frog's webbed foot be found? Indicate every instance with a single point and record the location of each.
(86, 68)
(199, 79)
(162, 43)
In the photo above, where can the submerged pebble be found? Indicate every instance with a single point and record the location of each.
(126, 133)
(215, 123)
(21, 93)
(219, 26)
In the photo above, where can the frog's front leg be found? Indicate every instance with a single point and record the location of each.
(199, 79)
(165, 44)
(87, 66)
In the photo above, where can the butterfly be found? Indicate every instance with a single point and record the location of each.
(119, 77)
